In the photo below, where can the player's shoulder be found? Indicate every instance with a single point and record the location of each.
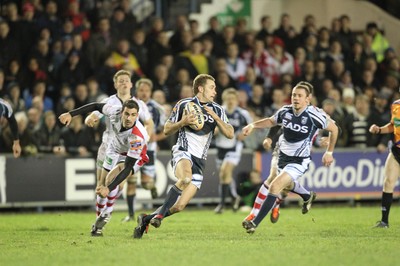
(315, 110)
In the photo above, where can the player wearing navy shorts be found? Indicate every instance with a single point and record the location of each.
(190, 152)
(300, 123)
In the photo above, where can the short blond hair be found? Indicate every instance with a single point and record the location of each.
(121, 73)
(144, 81)
(228, 91)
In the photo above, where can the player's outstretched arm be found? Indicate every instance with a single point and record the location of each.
(262, 123)
(66, 118)
(386, 129)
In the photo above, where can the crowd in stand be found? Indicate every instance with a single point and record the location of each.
(57, 55)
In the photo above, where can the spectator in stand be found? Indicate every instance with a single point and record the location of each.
(77, 139)
(299, 59)
(65, 92)
(265, 66)
(381, 106)
(240, 33)
(72, 71)
(35, 115)
(100, 43)
(348, 97)
(13, 96)
(284, 59)
(329, 106)
(355, 62)
(31, 75)
(183, 79)
(50, 20)
(368, 80)
(13, 19)
(157, 26)
(49, 135)
(194, 29)
(81, 95)
(140, 50)
(160, 82)
(257, 101)
(367, 45)
(213, 32)
(9, 46)
(379, 42)
(284, 29)
(337, 70)
(308, 75)
(235, 66)
(335, 28)
(323, 44)
(120, 22)
(278, 101)
(126, 6)
(158, 49)
(94, 92)
(309, 27)
(123, 57)
(266, 27)
(42, 54)
(334, 54)
(357, 127)
(310, 46)
(176, 40)
(67, 28)
(39, 90)
(228, 36)
(193, 60)
(345, 36)
(28, 30)
(249, 81)
(13, 73)
(223, 81)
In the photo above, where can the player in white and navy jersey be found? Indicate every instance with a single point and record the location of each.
(144, 89)
(128, 146)
(230, 150)
(300, 123)
(190, 152)
(7, 112)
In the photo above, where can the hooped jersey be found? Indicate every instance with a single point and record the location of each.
(395, 120)
(197, 142)
(239, 118)
(144, 114)
(131, 142)
(5, 109)
(159, 119)
(300, 130)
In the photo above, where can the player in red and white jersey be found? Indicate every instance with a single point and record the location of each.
(129, 145)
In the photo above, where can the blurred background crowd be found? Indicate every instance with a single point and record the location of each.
(57, 55)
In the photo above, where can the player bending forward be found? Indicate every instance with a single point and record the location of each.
(128, 146)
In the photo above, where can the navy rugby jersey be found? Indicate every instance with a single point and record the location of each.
(299, 130)
(239, 118)
(197, 142)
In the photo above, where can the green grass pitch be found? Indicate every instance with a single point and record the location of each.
(325, 236)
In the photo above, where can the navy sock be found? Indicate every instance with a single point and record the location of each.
(387, 199)
(224, 192)
(170, 200)
(130, 199)
(265, 208)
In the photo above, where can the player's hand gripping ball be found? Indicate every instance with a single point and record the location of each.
(195, 109)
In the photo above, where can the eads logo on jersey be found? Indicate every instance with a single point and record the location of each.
(135, 145)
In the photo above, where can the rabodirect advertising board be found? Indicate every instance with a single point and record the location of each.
(353, 174)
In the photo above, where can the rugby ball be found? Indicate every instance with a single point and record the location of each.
(195, 109)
